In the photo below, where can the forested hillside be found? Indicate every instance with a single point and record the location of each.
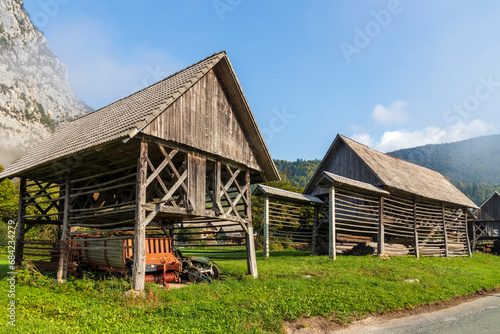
(297, 172)
(474, 160)
(472, 165)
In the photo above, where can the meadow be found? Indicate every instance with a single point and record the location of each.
(291, 285)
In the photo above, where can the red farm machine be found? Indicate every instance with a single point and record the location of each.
(163, 264)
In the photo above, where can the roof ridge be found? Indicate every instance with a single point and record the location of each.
(388, 155)
(346, 140)
(488, 198)
(153, 84)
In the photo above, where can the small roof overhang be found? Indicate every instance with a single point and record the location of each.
(263, 191)
(328, 180)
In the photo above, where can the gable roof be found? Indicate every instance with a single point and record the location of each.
(495, 193)
(398, 174)
(489, 209)
(125, 118)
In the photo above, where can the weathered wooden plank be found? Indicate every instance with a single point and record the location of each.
(20, 223)
(139, 270)
(381, 235)
(62, 270)
(204, 119)
(415, 229)
(196, 182)
(331, 228)
(445, 233)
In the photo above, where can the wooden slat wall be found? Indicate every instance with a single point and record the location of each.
(491, 209)
(203, 118)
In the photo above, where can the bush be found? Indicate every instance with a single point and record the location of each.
(3, 234)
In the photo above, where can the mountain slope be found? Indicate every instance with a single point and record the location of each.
(474, 160)
(35, 93)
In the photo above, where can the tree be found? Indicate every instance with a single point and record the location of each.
(9, 199)
(258, 202)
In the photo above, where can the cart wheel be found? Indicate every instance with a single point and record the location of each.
(216, 271)
(194, 275)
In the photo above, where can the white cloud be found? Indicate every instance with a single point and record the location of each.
(393, 114)
(398, 139)
(364, 138)
(99, 71)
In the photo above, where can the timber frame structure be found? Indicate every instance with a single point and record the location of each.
(486, 225)
(163, 161)
(388, 205)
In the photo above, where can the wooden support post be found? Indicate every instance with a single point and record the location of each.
(251, 258)
(266, 226)
(445, 232)
(415, 232)
(62, 270)
(217, 185)
(139, 271)
(474, 238)
(467, 233)
(332, 251)
(248, 195)
(381, 234)
(21, 212)
(315, 230)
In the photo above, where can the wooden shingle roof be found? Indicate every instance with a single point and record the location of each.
(399, 175)
(126, 117)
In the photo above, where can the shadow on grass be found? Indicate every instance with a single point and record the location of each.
(4, 268)
(289, 253)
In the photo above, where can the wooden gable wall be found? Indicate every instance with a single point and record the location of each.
(204, 118)
(491, 209)
(343, 161)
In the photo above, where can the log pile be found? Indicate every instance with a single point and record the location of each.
(360, 249)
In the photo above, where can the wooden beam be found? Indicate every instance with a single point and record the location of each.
(18, 256)
(474, 238)
(248, 196)
(467, 233)
(332, 251)
(445, 234)
(251, 258)
(266, 226)
(217, 206)
(415, 232)
(381, 235)
(139, 270)
(62, 271)
(314, 238)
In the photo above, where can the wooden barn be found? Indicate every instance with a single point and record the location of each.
(370, 199)
(486, 226)
(170, 158)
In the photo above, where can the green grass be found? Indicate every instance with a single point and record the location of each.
(350, 288)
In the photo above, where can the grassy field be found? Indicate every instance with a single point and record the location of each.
(291, 285)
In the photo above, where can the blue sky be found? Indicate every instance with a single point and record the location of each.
(391, 74)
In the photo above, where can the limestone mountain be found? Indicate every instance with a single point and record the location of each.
(35, 93)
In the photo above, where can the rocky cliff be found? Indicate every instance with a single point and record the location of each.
(35, 93)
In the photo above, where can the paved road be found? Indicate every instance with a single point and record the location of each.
(481, 316)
